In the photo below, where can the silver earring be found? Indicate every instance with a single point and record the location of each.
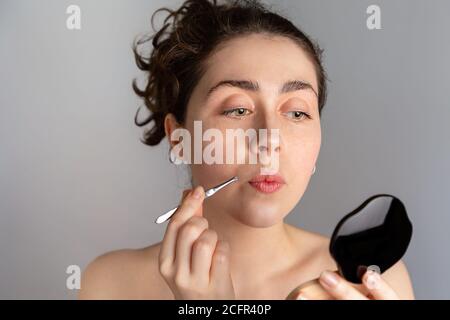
(314, 170)
(172, 157)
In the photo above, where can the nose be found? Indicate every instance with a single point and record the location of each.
(268, 141)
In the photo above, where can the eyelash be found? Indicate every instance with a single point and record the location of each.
(230, 111)
(302, 113)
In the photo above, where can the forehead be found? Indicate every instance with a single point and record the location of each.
(270, 60)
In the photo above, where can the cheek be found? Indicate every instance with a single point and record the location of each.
(222, 147)
(213, 168)
(304, 153)
(299, 158)
(210, 175)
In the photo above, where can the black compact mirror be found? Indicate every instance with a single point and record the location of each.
(375, 235)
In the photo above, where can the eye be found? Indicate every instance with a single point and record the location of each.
(297, 115)
(236, 112)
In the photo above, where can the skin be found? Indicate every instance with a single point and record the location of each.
(222, 249)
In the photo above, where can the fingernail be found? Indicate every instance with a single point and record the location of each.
(372, 279)
(329, 278)
(197, 192)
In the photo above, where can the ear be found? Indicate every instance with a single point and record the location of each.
(170, 124)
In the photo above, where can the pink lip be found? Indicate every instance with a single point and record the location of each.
(267, 183)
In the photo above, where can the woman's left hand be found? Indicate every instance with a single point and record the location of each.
(331, 286)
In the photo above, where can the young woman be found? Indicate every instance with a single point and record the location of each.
(235, 65)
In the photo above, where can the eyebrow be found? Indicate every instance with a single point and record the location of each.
(248, 85)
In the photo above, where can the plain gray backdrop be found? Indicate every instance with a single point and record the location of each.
(75, 181)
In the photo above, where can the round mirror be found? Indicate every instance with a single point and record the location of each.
(375, 235)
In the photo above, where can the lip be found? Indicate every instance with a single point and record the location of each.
(267, 183)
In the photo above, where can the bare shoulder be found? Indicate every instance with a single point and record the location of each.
(315, 250)
(125, 274)
(398, 278)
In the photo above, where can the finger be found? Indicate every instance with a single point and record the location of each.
(378, 288)
(187, 235)
(310, 290)
(167, 251)
(202, 252)
(189, 205)
(220, 275)
(339, 288)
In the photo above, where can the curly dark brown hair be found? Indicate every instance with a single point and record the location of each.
(188, 36)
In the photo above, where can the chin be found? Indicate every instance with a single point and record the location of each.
(257, 216)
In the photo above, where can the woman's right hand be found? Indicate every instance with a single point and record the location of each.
(193, 262)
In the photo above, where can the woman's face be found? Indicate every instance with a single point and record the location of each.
(269, 61)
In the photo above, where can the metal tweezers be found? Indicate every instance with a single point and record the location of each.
(208, 193)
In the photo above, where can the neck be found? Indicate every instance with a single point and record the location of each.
(256, 253)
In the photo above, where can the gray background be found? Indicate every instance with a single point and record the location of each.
(76, 182)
